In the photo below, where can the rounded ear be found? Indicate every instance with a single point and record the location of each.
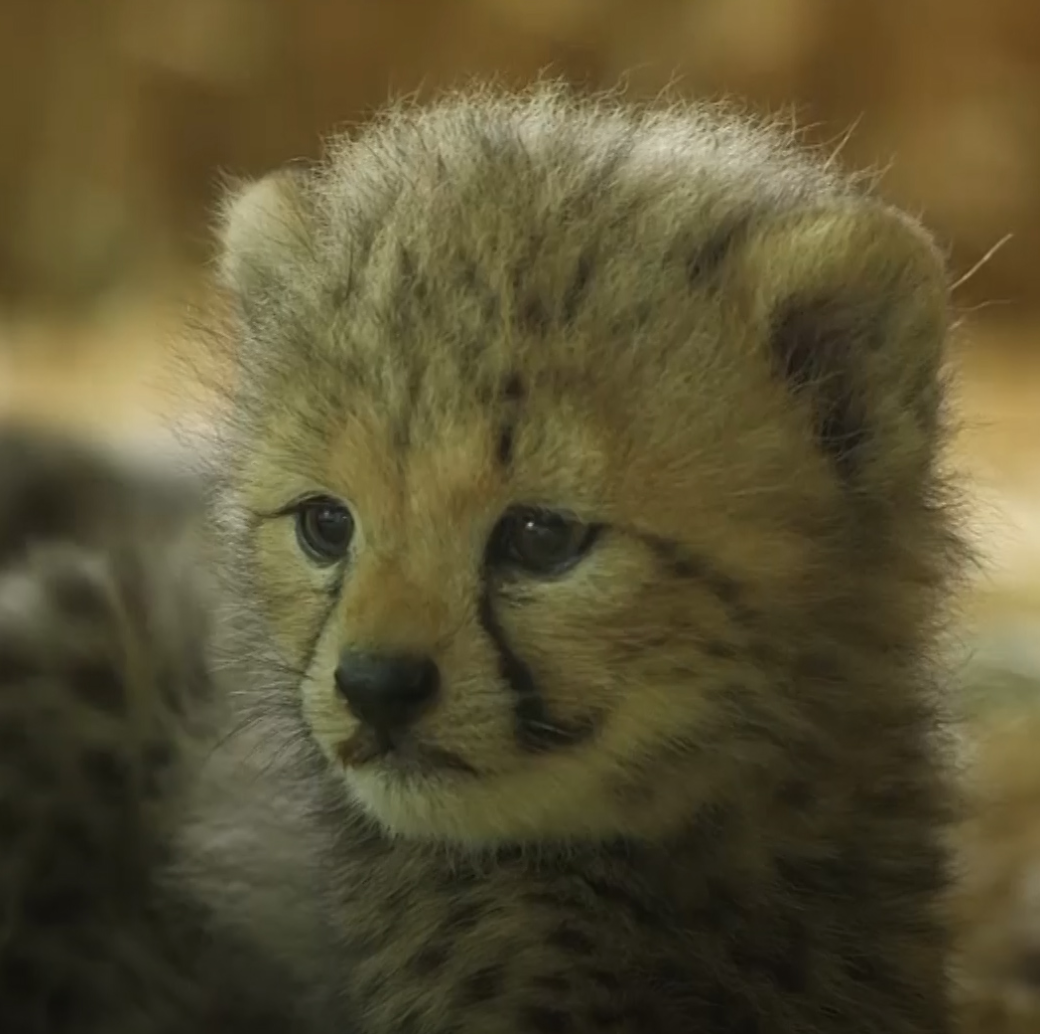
(853, 300)
(266, 235)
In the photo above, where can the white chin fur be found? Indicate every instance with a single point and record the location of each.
(418, 807)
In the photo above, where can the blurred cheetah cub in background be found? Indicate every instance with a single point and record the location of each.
(587, 548)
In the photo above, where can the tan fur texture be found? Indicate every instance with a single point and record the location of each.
(692, 782)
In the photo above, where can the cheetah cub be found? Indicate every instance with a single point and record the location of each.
(586, 555)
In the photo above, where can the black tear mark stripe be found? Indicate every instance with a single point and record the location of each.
(681, 563)
(536, 729)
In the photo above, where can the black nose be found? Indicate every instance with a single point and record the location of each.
(386, 691)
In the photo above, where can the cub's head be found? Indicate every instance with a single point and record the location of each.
(586, 460)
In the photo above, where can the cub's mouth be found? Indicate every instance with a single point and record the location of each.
(398, 751)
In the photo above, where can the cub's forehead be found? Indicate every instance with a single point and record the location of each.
(535, 207)
(452, 249)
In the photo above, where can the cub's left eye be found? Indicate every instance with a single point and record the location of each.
(540, 542)
(324, 528)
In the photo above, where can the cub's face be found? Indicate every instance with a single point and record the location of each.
(498, 628)
(548, 514)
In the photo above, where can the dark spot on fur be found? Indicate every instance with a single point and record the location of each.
(726, 588)
(99, 684)
(341, 293)
(544, 1020)
(463, 915)
(533, 315)
(406, 266)
(815, 343)
(572, 941)
(429, 960)
(505, 446)
(578, 288)
(708, 256)
(513, 388)
(483, 985)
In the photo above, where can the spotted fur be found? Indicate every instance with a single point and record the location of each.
(691, 783)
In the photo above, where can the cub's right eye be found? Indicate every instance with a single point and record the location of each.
(324, 528)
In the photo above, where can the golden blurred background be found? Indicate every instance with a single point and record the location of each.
(118, 119)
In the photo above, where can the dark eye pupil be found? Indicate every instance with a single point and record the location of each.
(325, 528)
(542, 543)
